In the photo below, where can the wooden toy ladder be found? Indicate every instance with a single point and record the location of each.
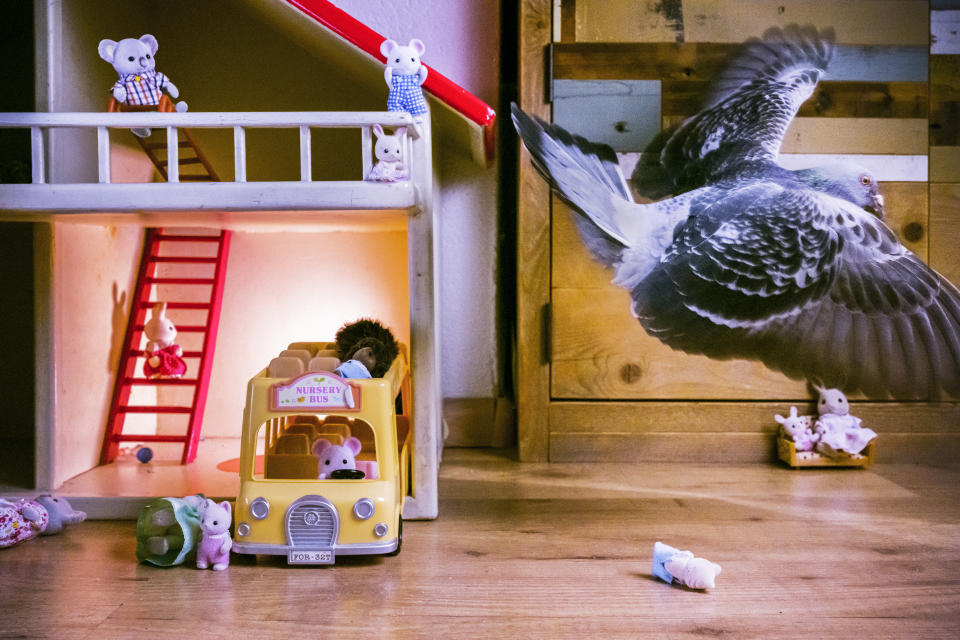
(189, 153)
(192, 254)
(160, 250)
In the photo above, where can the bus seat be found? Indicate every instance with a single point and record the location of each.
(323, 363)
(310, 347)
(285, 367)
(303, 428)
(296, 443)
(303, 354)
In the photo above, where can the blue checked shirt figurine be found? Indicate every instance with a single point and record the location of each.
(405, 75)
(142, 88)
(406, 95)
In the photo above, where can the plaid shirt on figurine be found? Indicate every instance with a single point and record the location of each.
(142, 88)
(406, 95)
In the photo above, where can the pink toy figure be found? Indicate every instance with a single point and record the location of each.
(333, 457)
(163, 356)
(21, 520)
(215, 542)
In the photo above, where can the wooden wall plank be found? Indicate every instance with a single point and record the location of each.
(856, 135)
(945, 32)
(533, 246)
(945, 100)
(945, 230)
(930, 448)
(831, 99)
(742, 432)
(742, 417)
(622, 113)
(600, 351)
(702, 61)
(568, 20)
(944, 164)
(908, 213)
(902, 22)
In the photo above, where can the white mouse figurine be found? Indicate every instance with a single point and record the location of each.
(139, 83)
(404, 75)
(672, 565)
(389, 152)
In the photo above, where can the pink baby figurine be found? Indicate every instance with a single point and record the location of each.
(21, 520)
(215, 542)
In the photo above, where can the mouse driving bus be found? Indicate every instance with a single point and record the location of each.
(324, 460)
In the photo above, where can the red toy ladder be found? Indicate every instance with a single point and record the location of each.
(173, 261)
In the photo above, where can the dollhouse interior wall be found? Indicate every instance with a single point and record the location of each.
(236, 60)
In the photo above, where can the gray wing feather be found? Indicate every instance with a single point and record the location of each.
(852, 307)
(740, 131)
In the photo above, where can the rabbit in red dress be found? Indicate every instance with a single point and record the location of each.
(164, 358)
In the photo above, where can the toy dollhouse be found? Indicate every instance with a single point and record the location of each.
(251, 215)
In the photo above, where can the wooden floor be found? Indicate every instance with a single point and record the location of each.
(550, 551)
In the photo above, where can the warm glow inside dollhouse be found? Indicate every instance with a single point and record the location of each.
(269, 155)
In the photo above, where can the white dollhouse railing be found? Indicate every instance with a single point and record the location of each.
(239, 194)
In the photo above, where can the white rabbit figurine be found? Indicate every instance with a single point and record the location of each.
(164, 358)
(389, 152)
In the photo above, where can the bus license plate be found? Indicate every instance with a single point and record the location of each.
(310, 557)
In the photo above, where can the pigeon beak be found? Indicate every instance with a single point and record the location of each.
(876, 207)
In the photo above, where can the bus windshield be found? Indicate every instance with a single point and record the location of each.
(316, 447)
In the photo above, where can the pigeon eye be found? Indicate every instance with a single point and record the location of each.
(865, 180)
(130, 58)
(148, 56)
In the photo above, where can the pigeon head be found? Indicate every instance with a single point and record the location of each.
(848, 181)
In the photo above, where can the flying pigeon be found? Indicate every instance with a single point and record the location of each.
(752, 260)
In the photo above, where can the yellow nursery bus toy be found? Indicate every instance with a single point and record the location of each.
(325, 460)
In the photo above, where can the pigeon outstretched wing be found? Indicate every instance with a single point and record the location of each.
(810, 285)
(740, 130)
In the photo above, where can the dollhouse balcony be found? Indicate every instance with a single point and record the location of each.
(182, 192)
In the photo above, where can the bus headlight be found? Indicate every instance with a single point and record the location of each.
(243, 529)
(381, 529)
(363, 508)
(259, 508)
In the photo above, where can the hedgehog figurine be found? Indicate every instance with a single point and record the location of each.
(366, 348)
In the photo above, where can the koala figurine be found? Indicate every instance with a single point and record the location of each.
(389, 152)
(405, 75)
(215, 541)
(60, 513)
(333, 457)
(139, 84)
(164, 358)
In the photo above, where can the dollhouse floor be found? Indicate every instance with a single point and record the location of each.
(120, 488)
(551, 551)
